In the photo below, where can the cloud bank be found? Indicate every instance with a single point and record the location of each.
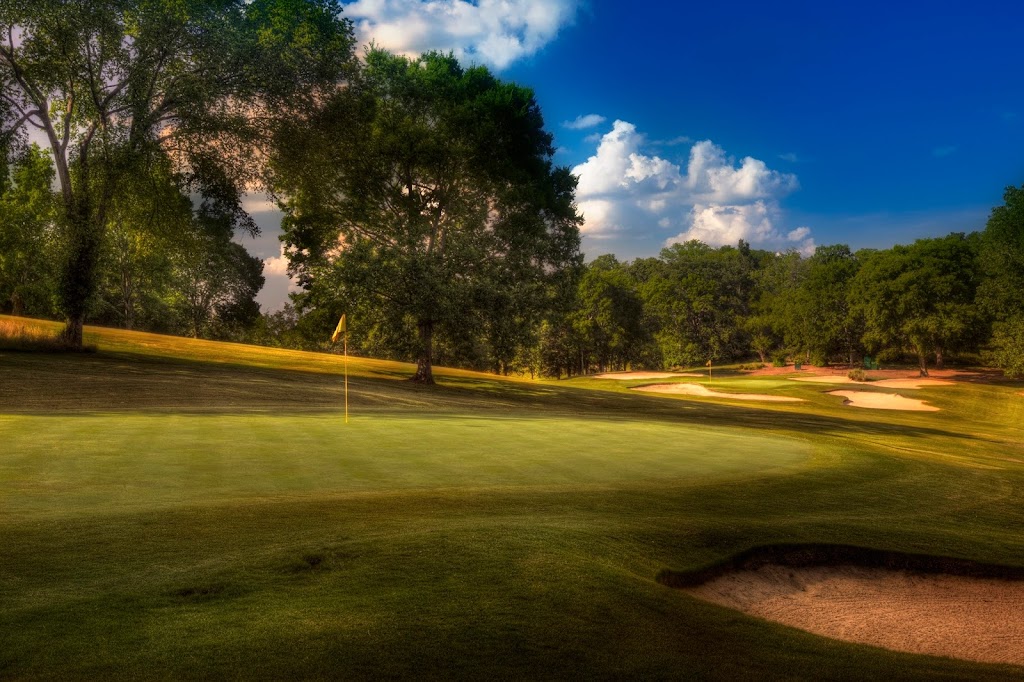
(716, 200)
(492, 32)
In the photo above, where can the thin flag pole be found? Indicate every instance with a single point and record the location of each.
(342, 330)
(346, 374)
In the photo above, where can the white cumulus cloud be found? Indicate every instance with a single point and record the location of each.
(493, 32)
(624, 189)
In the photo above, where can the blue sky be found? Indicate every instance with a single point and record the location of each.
(787, 124)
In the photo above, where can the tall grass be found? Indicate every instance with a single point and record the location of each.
(19, 336)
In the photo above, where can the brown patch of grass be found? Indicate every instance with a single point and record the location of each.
(19, 336)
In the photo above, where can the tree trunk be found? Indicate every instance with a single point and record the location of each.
(940, 360)
(923, 361)
(78, 281)
(424, 373)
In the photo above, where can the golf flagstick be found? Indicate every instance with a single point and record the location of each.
(341, 329)
(346, 376)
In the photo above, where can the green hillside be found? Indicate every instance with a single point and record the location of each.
(174, 508)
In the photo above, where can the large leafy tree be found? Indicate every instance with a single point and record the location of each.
(426, 190)
(920, 297)
(699, 297)
(822, 321)
(108, 82)
(1002, 258)
(608, 319)
(1001, 294)
(774, 323)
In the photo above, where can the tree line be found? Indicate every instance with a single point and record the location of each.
(420, 198)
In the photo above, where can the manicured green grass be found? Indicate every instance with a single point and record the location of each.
(180, 509)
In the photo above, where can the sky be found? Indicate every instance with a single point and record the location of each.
(789, 125)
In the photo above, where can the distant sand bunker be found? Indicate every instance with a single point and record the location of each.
(976, 619)
(883, 401)
(884, 383)
(697, 389)
(911, 383)
(625, 376)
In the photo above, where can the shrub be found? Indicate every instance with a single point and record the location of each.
(857, 375)
(779, 361)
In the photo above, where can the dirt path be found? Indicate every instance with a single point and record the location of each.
(976, 619)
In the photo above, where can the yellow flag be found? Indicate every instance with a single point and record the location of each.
(709, 362)
(339, 330)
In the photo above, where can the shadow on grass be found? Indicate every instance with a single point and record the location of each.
(103, 382)
(821, 554)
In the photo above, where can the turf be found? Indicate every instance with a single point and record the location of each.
(180, 509)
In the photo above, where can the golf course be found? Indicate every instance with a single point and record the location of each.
(178, 509)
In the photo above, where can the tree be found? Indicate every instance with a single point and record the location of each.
(149, 220)
(1002, 258)
(204, 81)
(1000, 293)
(824, 321)
(772, 323)
(608, 318)
(28, 240)
(700, 298)
(427, 191)
(216, 279)
(921, 296)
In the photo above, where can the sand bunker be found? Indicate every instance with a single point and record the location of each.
(825, 379)
(626, 376)
(883, 401)
(911, 383)
(884, 383)
(976, 619)
(697, 389)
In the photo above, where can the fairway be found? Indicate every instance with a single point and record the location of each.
(180, 509)
(130, 462)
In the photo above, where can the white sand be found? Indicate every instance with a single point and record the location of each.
(697, 389)
(625, 376)
(977, 619)
(825, 379)
(884, 383)
(883, 401)
(911, 383)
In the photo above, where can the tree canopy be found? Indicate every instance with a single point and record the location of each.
(426, 191)
(111, 83)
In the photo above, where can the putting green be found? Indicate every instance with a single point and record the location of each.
(102, 463)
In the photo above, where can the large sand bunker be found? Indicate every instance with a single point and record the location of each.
(883, 401)
(884, 383)
(941, 606)
(704, 391)
(627, 376)
(977, 619)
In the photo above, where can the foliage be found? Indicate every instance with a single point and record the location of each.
(1002, 258)
(426, 191)
(203, 82)
(857, 375)
(608, 316)
(699, 296)
(28, 235)
(921, 297)
(1008, 346)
